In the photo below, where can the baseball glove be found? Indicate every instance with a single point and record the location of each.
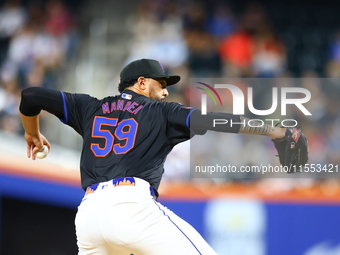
(292, 149)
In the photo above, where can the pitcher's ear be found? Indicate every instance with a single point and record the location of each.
(141, 83)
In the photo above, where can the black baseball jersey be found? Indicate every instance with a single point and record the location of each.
(127, 135)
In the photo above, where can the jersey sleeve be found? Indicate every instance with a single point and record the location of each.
(178, 118)
(70, 108)
(35, 99)
(215, 121)
(191, 122)
(77, 108)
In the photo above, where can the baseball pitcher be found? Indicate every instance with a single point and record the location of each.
(126, 139)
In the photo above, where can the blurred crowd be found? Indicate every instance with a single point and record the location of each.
(213, 39)
(36, 41)
(207, 39)
(195, 39)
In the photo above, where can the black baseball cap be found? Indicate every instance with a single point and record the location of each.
(148, 68)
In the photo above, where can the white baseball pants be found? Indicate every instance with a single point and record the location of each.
(126, 220)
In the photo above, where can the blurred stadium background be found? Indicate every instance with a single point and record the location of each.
(81, 46)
